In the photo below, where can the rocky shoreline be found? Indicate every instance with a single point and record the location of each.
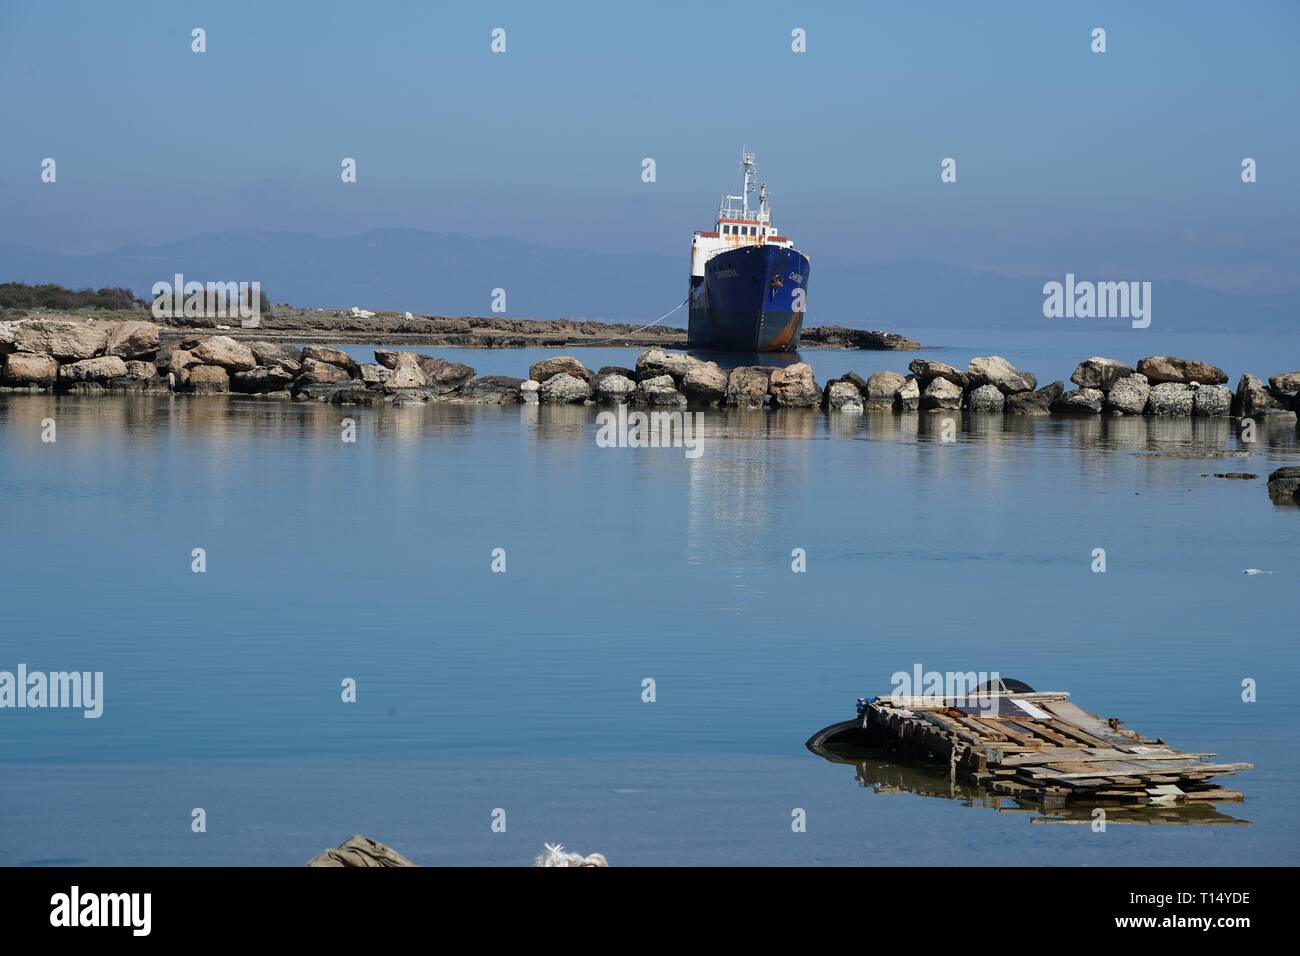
(346, 327)
(131, 355)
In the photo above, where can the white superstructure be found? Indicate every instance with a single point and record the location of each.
(738, 224)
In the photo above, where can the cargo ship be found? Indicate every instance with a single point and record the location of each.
(749, 284)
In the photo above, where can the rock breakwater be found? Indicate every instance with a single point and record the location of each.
(131, 356)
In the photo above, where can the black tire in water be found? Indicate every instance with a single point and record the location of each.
(1008, 685)
(845, 734)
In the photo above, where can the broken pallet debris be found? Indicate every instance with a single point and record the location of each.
(1035, 745)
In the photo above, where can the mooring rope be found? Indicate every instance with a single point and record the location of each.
(644, 327)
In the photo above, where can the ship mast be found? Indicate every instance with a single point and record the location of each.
(737, 207)
(747, 161)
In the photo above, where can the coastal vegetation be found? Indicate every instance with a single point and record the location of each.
(20, 297)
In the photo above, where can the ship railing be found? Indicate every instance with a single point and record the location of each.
(737, 212)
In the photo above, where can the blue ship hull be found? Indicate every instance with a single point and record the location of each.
(748, 300)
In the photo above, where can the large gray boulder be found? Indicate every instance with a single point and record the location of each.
(1284, 486)
(178, 360)
(132, 339)
(1212, 401)
(1254, 400)
(8, 331)
(207, 380)
(444, 376)
(793, 387)
(705, 383)
(747, 386)
(986, 398)
(614, 389)
(1035, 403)
(908, 396)
(335, 357)
(1171, 368)
(29, 368)
(489, 390)
(927, 371)
(655, 362)
(361, 852)
(140, 370)
(995, 370)
(843, 397)
(559, 364)
(854, 379)
(316, 372)
(1079, 401)
(262, 379)
(270, 353)
(616, 370)
(564, 389)
(1098, 372)
(1171, 399)
(941, 393)
(93, 369)
(882, 390)
(354, 392)
(530, 391)
(67, 341)
(371, 373)
(347, 392)
(1285, 382)
(660, 390)
(224, 351)
(1128, 395)
(406, 372)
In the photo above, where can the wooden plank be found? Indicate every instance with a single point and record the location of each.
(1038, 727)
(1085, 738)
(980, 729)
(1215, 793)
(1057, 768)
(1072, 715)
(1212, 768)
(1106, 754)
(951, 726)
(930, 702)
(1019, 736)
(1010, 786)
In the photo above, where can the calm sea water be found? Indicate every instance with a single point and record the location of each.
(477, 690)
(1050, 354)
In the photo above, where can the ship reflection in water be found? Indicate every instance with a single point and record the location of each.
(882, 774)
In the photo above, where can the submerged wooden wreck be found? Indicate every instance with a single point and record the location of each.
(1031, 745)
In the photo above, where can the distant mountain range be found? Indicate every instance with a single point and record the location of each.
(439, 274)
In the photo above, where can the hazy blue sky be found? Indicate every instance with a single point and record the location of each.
(1125, 163)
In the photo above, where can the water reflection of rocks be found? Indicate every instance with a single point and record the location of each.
(233, 415)
(879, 773)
